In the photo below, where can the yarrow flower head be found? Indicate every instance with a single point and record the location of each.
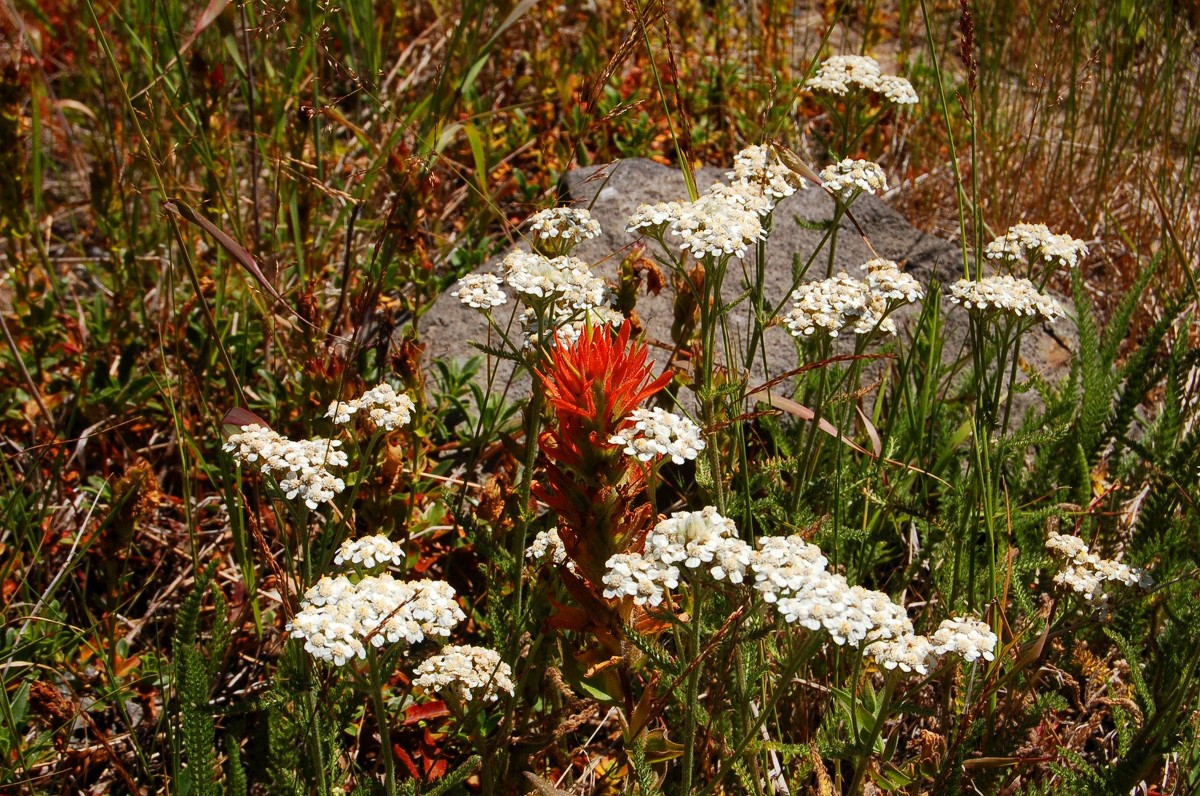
(657, 432)
(481, 292)
(968, 638)
(300, 467)
(547, 545)
(539, 279)
(1031, 242)
(339, 618)
(1007, 295)
(897, 89)
(560, 229)
(832, 305)
(792, 575)
(847, 179)
(644, 579)
(696, 540)
(384, 407)
(1085, 572)
(715, 227)
(887, 281)
(842, 74)
(470, 673)
(692, 538)
(760, 168)
(723, 222)
(653, 219)
(369, 552)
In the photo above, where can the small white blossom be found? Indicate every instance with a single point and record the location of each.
(339, 619)
(908, 653)
(850, 177)
(887, 281)
(1085, 572)
(567, 280)
(784, 565)
(1005, 294)
(644, 579)
(842, 74)
(653, 219)
(481, 291)
(833, 305)
(897, 89)
(370, 552)
(715, 226)
(657, 432)
(968, 638)
(1030, 242)
(299, 466)
(564, 227)
(386, 408)
(691, 538)
(468, 672)
(761, 168)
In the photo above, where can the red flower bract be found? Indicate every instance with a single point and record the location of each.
(598, 492)
(600, 378)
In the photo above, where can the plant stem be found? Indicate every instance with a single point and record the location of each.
(692, 694)
(385, 735)
(860, 769)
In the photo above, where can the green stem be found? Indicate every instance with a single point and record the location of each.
(385, 734)
(801, 657)
(693, 690)
(860, 768)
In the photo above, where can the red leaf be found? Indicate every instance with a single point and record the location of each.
(425, 712)
(408, 762)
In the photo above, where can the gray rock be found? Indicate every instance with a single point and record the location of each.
(614, 191)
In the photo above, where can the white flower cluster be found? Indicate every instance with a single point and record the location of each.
(301, 467)
(887, 281)
(1005, 294)
(850, 177)
(792, 574)
(339, 618)
(760, 168)
(653, 219)
(468, 672)
(569, 280)
(548, 545)
(564, 227)
(694, 539)
(384, 407)
(968, 638)
(1085, 572)
(481, 292)
(369, 552)
(561, 295)
(843, 73)
(841, 302)
(724, 222)
(657, 432)
(644, 579)
(716, 226)
(1031, 242)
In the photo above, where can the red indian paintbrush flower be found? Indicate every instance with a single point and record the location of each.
(597, 491)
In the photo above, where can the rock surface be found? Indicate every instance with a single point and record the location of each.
(612, 193)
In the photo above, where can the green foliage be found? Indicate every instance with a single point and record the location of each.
(195, 670)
